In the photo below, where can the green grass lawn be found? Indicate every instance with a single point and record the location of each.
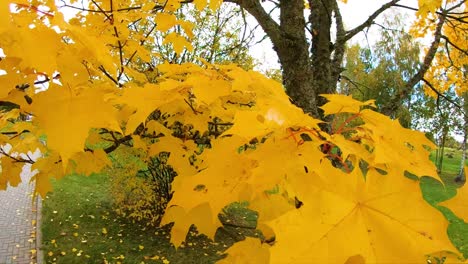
(80, 226)
(434, 192)
(451, 162)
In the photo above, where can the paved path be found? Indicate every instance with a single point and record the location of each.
(18, 221)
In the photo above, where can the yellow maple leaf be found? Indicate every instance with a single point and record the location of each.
(10, 173)
(399, 148)
(65, 116)
(4, 15)
(165, 21)
(200, 4)
(250, 250)
(207, 89)
(339, 103)
(367, 218)
(47, 167)
(143, 100)
(201, 216)
(215, 4)
(428, 6)
(178, 149)
(37, 46)
(88, 162)
(178, 42)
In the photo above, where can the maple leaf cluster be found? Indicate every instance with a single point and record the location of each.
(76, 95)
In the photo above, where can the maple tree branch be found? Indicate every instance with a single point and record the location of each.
(263, 18)
(116, 141)
(103, 70)
(130, 8)
(16, 159)
(351, 33)
(446, 14)
(141, 44)
(454, 45)
(102, 11)
(442, 95)
(35, 8)
(120, 54)
(392, 104)
(191, 107)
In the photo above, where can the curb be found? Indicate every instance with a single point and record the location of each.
(39, 253)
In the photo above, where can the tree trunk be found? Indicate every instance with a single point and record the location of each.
(461, 175)
(442, 148)
(293, 53)
(321, 48)
(309, 69)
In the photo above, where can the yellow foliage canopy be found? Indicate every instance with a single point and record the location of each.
(231, 135)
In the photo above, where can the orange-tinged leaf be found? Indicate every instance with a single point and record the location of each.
(65, 116)
(250, 250)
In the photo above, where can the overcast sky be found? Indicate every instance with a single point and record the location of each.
(354, 13)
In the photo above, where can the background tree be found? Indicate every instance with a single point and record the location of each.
(222, 36)
(461, 175)
(380, 72)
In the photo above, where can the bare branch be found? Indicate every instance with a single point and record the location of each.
(263, 18)
(351, 33)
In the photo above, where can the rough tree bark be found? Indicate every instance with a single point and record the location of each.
(310, 61)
